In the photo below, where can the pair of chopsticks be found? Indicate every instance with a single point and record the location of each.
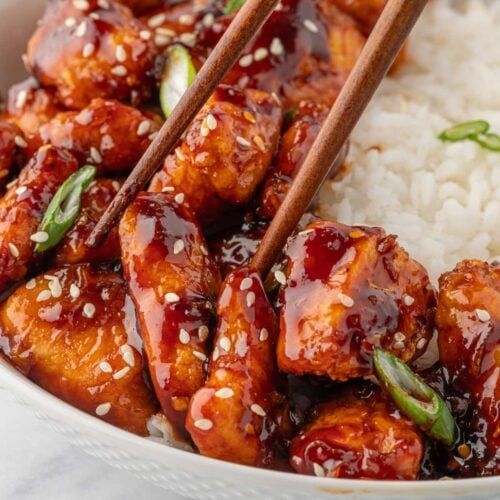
(380, 50)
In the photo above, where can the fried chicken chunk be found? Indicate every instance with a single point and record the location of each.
(110, 135)
(23, 206)
(468, 321)
(84, 53)
(358, 437)
(172, 281)
(366, 12)
(350, 289)
(231, 418)
(139, 6)
(95, 201)
(11, 142)
(71, 331)
(226, 152)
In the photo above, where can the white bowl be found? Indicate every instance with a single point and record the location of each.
(183, 472)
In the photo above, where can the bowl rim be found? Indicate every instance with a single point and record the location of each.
(29, 392)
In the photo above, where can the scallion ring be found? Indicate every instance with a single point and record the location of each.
(414, 397)
(488, 141)
(64, 207)
(466, 130)
(233, 5)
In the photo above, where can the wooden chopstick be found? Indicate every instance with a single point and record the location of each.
(245, 25)
(384, 43)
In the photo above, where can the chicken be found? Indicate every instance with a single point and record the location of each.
(358, 437)
(95, 200)
(226, 152)
(468, 321)
(22, 209)
(348, 290)
(11, 144)
(92, 49)
(232, 417)
(110, 135)
(172, 281)
(140, 6)
(72, 331)
(365, 12)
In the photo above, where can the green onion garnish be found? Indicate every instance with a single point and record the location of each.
(465, 130)
(233, 5)
(178, 75)
(488, 141)
(289, 115)
(64, 207)
(414, 397)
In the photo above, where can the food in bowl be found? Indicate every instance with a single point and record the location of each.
(167, 325)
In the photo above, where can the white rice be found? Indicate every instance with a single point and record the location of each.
(441, 199)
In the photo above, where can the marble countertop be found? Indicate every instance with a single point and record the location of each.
(37, 463)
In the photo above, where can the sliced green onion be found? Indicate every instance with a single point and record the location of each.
(64, 207)
(414, 397)
(178, 75)
(464, 130)
(289, 115)
(233, 5)
(488, 141)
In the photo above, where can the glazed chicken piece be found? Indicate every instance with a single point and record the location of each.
(468, 321)
(226, 152)
(72, 331)
(232, 417)
(95, 200)
(358, 436)
(139, 6)
(107, 134)
(349, 290)
(84, 53)
(172, 281)
(22, 209)
(365, 12)
(11, 144)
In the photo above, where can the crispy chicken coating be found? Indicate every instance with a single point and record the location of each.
(365, 12)
(468, 321)
(84, 53)
(348, 290)
(231, 418)
(358, 437)
(11, 144)
(226, 152)
(73, 248)
(172, 281)
(72, 331)
(107, 134)
(22, 209)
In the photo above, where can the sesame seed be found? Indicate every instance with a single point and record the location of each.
(483, 315)
(318, 470)
(31, 284)
(276, 47)
(172, 297)
(40, 237)
(259, 142)
(258, 410)
(95, 155)
(88, 49)
(20, 142)
(121, 373)
(408, 300)
(356, 233)
(168, 189)
(274, 95)
(103, 409)
(21, 98)
(89, 310)
(203, 332)
(204, 130)
(55, 288)
(186, 19)
(129, 358)
(145, 34)
(242, 141)
(105, 367)
(179, 198)
(225, 343)
(20, 190)
(421, 343)
(178, 246)
(399, 337)
(249, 117)
(199, 355)
(180, 155)
(246, 60)
(184, 337)
(264, 334)
(345, 300)
(74, 291)
(94, 15)
(143, 128)
(246, 283)
(399, 345)
(165, 32)
(81, 4)
(310, 26)
(250, 299)
(260, 54)
(204, 424)
(211, 122)
(119, 70)
(152, 135)
(121, 53)
(70, 22)
(280, 277)
(204, 250)
(43, 295)
(208, 20)
(103, 4)
(224, 393)
(161, 40)
(156, 20)
(187, 38)
(81, 29)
